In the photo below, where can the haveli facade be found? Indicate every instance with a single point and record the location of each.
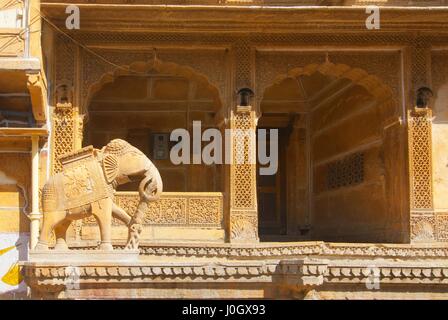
(357, 208)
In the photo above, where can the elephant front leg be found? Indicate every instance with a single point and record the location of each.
(51, 220)
(102, 210)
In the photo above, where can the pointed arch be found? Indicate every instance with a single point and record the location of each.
(373, 84)
(144, 68)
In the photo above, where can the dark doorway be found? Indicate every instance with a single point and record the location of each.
(271, 192)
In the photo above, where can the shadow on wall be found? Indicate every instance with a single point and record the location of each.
(441, 105)
(440, 147)
(13, 242)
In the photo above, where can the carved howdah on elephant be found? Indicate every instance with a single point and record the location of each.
(86, 186)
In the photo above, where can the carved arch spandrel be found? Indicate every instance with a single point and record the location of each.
(375, 86)
(142, 67)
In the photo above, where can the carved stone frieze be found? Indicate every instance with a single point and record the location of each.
(298, 274)
(190, 209)
(403, 274)
(441, 222)
(297, 249)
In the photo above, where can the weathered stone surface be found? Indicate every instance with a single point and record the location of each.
(358, 162)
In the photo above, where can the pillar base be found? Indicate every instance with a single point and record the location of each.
(244, 226)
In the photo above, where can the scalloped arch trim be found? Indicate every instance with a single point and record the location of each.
(358, 76)
(142, 68)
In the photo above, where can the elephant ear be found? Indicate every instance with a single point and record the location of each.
(110, 167)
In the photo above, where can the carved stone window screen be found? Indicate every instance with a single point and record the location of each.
(63, 135)
(345, 172)
(243, 174)
(420, 159)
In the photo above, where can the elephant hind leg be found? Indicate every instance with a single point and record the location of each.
(102, 210)
(51, 220)
(60, 231)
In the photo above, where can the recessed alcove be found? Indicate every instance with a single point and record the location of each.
(338, 165)
(141, 109)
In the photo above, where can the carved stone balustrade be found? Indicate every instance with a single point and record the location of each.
(189, 215)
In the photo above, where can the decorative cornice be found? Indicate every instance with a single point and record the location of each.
(251, 19)
(298, 273)
(388, 274)
(276, 251)
(269, 3)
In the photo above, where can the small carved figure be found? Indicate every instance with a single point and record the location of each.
(424, 96)
(86, 186)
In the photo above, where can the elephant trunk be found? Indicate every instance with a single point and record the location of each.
(150, 189)
(151, 186)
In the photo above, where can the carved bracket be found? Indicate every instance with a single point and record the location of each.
(37, 90)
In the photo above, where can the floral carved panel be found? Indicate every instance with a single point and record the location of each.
(187, 209)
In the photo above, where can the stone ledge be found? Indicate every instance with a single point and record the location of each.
(69, 258)
(297, 275)
(54, 276)
(293, 249)
(20, 64)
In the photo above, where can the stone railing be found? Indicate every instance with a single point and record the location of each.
(12, 31)
(176, 216)
(189, 209)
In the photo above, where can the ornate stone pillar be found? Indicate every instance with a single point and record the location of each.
(66, 128)
(35, 215)
(423, 227)
(420, 59)
(243, 220)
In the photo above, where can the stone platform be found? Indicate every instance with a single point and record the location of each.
(303, 270)
(84, 256)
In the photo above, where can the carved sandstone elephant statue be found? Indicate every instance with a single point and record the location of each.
(86, 186)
